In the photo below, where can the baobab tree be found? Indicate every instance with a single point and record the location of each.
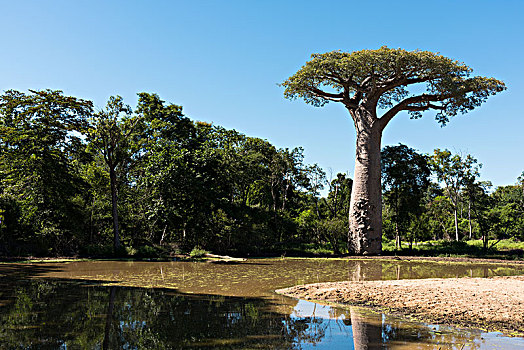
(374, 86)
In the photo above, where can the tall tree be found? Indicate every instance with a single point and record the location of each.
(334, 221)
(40, 136)
(480, 202)
(438, 210)
(520, 184)
(165, 174)
(506, 212)
(371, 80)
(111, 134)
(455, 172)
(405, 175)
(339, 195)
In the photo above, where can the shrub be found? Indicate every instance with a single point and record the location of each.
(147, 251)
(197, 252)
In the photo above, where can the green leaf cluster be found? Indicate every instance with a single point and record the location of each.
(391, 79)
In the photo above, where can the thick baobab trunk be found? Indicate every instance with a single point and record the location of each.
(365, 211)
(365, 271)
(367, 329)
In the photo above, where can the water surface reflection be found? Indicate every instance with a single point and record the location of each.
(96, 305)
(254, 278)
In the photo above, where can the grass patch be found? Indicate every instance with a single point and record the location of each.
(504, 249)
(302, 249)
(197, 253)
(503, 245)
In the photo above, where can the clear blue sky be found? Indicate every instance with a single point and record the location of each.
(222, 60)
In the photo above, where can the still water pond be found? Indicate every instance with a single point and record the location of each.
(172, 305)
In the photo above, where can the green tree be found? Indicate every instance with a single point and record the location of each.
(369, 81)
(405, 179)
(520, 184)
(180, 178)
(112, 135)
(506, 213)
(40, 140)
(339, 196)
(475, 193)
(455, 172)
(479, 204)
(334, 220)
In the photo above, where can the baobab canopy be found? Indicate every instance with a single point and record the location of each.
(389, 81)
(382, 77)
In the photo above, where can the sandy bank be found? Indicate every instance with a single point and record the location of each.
(490, 303)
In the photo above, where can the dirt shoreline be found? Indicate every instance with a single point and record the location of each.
(493, 304)
(459, 259)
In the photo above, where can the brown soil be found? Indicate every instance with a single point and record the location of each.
(489, 303)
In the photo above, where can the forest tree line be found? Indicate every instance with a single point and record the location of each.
(77, 180)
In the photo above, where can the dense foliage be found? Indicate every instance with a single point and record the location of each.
(151, 180)
(438, 197)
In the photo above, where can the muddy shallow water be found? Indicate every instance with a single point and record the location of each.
(156, 305)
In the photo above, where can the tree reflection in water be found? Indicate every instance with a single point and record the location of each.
(52, 314)
(69, 314)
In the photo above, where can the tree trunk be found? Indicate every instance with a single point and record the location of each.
(284, 199)
(91, 221)
(274, 197)
(367, 330)
(163, 235)
(456, 225)
(365, 211)
(397, 237)
(469, 220)
(114, 204)
(109, 319)
(335, 205)
(445, 235)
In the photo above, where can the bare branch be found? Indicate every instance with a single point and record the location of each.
(440, 108)
(424, 107)
(365, 82)
(417, 108)
(351, 102)
(326, 95)
(396, 82)
(410, 103)
(334, 77)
